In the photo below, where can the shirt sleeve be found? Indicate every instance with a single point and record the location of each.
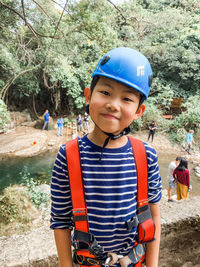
(61, 205)
(154, 179)
(174, 173)
(188, 177)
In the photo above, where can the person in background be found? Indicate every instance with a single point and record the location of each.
(85, 121)
(189, 141)
(182, 179)
(60, 123)
(170, 178)
(46, 120)
(152, 130)
(79, 123)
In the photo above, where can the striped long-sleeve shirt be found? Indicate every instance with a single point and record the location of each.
(110, 190)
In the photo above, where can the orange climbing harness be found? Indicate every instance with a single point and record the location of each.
(87, 251)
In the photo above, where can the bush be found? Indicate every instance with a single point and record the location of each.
(4, 116)
(152, 113)
(37, 197)
(189, 119)
(178, 136)
(66, 121)
(13, 204)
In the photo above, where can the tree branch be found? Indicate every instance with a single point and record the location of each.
(117, 9)
(32, 29)
(10, 81)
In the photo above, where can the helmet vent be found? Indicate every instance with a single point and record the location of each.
(105, 60)
(150, 80)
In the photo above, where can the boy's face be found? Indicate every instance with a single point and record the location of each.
(113, 106)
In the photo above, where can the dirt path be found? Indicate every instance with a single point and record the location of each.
(28, 141)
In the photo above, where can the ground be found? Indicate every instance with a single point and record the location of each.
(29, 141)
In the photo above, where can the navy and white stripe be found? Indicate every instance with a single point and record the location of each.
(110, 191)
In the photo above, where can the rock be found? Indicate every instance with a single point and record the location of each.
(197, 171)
(51, 143)
(44, 188)
(18, 118)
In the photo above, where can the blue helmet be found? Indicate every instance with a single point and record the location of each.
(127, 66)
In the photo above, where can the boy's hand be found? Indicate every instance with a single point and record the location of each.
(125, 261)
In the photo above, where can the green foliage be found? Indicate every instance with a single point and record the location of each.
(177, 135)
(26, 85)
(8, 208)
(164, 94)
(4, 116)
(37, 197)
(167, 32)
(190, 119)
(66, 121)
(12, 206)
(152, 113)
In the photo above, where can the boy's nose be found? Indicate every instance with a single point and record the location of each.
(113, 104)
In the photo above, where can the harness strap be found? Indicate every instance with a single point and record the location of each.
(76, 185)
(78, 198)
(139, 153)
(79, 210)
(146, 226)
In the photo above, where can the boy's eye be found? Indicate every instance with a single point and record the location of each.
(128, 99)
(104, 92)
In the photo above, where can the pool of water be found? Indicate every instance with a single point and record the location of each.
(40, 168)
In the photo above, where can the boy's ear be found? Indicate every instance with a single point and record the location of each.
(140, 111)
(87, 94)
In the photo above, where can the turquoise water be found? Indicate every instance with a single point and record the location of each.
(40, 168)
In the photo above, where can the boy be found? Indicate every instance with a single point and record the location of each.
(120, 84)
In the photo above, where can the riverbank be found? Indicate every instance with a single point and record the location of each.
(27, 141)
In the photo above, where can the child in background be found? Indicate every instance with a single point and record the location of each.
(85, 122)
(121, 82)
(60, 123)
(189, 141)
(170, 178)
(79, 123)
(182, 178)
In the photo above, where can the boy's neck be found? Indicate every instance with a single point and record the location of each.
(98, 138)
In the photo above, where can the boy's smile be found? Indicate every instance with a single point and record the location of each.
(113, 106)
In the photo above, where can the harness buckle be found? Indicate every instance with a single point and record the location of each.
(97, 250)
(132, 223)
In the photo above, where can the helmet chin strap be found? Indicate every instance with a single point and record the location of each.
(113, 137)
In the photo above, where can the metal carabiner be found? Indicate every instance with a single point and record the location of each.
(109, 259)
